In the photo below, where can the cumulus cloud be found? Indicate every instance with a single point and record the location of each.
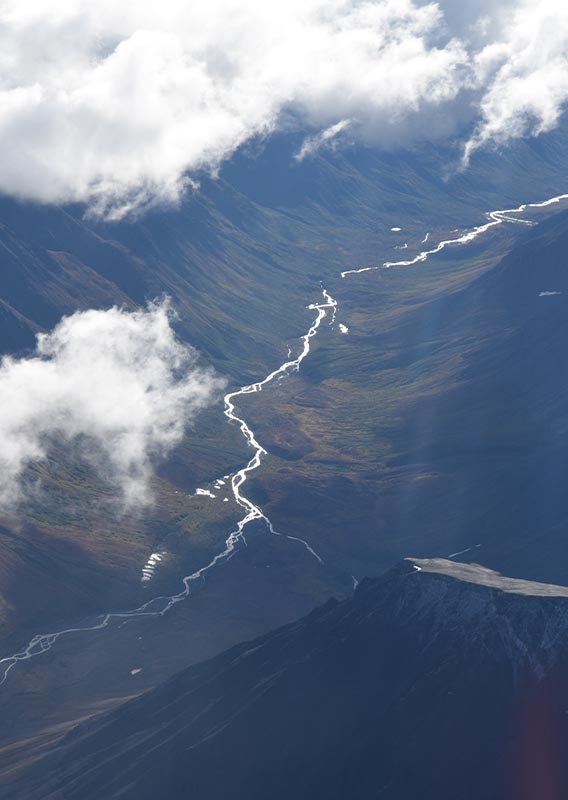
(115, 104)
(117, 383)
(122, 105)
(523, 75)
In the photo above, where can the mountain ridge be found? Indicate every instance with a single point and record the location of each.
(365, 695)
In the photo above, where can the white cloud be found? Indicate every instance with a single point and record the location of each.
(325, 138)
(121, 105)
(523, 75)
(115, 103)
(118, 383)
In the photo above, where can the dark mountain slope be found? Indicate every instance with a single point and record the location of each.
(498, 431)
(437, 680)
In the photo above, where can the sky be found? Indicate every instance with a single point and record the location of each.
(122, 106)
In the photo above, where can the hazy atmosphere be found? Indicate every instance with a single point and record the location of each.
(283, 404)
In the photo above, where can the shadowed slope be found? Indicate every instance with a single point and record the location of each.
(422, 684)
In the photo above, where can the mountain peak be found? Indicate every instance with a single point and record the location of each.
(483, 576)
(433, 652)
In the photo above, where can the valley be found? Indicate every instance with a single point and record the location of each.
(119, 640)
(339, 434)
(284, 400)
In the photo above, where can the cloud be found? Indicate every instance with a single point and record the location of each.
(325, 138)
(123, 105)
(117, 383)
(524, 75)
(116, 104)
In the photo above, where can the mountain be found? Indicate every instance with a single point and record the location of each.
(436, 680)
(414, 432)
(442, 416)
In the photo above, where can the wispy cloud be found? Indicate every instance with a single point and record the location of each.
(325, 138)
(122, 105)
(118, 382)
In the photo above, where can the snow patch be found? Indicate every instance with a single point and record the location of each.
(149, 568)
(203, 492)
